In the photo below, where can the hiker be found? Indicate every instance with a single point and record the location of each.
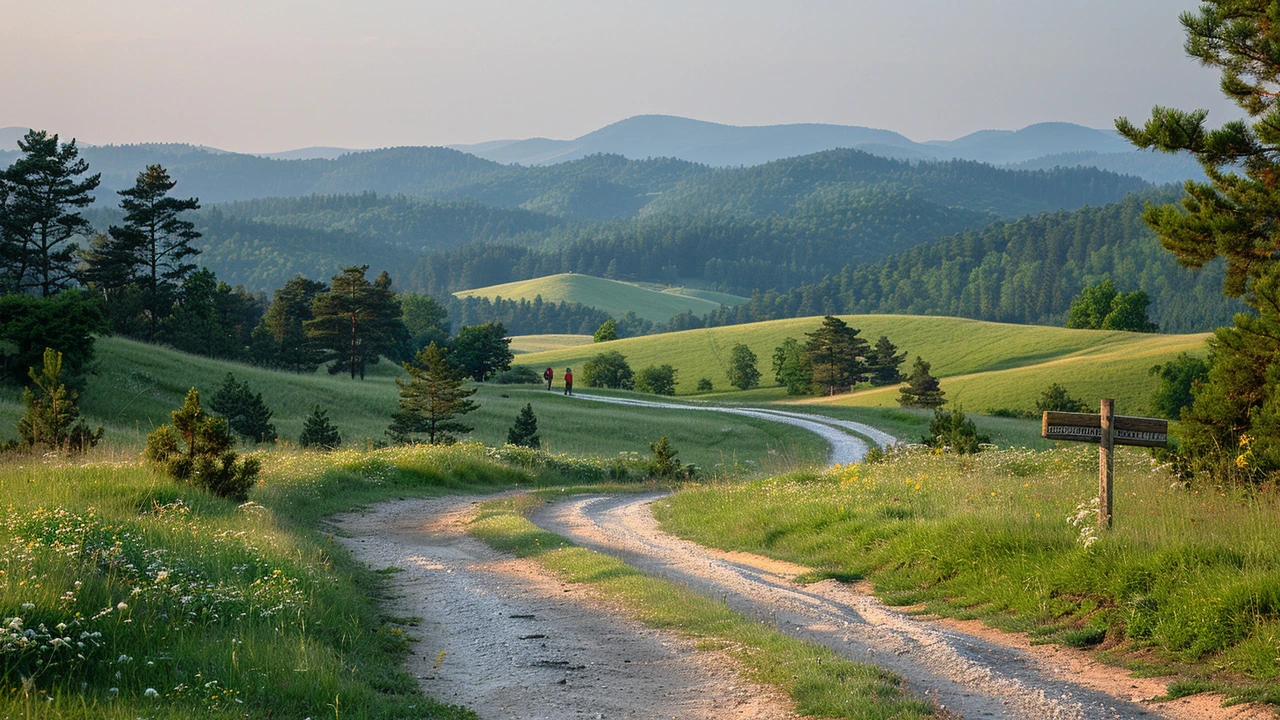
(549, 375)
(568, 381)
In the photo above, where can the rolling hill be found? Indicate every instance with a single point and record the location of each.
(611, 296)
(984, 365)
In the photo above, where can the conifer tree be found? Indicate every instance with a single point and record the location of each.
(52, 420)
(837, 355)
(525, 431)
(281, 341)
(883, 362)
(318, 431)
(246, 413)
(431, 400)
(607, 331)
(743, 371)
(199, 448)
(39, 218)
(923, 389)
(356, 322)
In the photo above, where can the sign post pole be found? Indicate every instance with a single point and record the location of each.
(1106, 465)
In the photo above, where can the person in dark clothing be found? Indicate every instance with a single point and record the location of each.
(568, 381)
(549, 375)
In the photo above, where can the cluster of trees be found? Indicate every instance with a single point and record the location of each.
(1102, 307)
(834, 359)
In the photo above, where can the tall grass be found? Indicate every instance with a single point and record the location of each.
(1188, 580)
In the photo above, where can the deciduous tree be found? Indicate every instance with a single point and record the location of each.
(743, 371)
(792, 367)
(608, 370)
(481, 351)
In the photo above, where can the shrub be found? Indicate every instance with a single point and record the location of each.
(704, 385)
(517, 375)
(608, 370)
(664, 463)
(952, 430)
(317, 431)
(244, 410)
(197, 448)
(1055, 398)
(657, 379)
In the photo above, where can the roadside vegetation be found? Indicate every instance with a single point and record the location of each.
(1187, 581)
(822, 683)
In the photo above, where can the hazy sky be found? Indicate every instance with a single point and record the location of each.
(266, 75)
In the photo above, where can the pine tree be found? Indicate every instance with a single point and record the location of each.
(429, 403)
(743, 371)
(923, 389)
(246, 413)
(883, 363)
(664, 463)
(525, 432)
(1232, 216)
(198, 448)
(154, 244)
(950, 429)
(318, 432)
(52, 420)
(40, 220)
(607, 331)
(837, 355)
(281, 341)
(356, 322)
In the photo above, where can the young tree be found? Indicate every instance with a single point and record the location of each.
(154, 242)
(1176, 384)
(198, 448)
(883, 362)
(923, 389)
(837, 355)
(950, 429)
(482, 350)
(792, 368)
(743, 371)
(356, 322)
(1231, 216)
(1056, 398)
(608, 370)
(607, 331)
(245, 411)
(281, 339)
(525, 432)
(664, 463)
(656, 379)
(40, 217)
(52, 420)
(429, 403)
(318, 431)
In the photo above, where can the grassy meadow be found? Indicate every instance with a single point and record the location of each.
(126, 595)
(1187, 582)
(521, 344)
(611, 296)
(983, 365)
(136, 386)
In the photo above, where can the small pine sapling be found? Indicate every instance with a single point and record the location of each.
(52, 420)
(525, 432)
(245, 411)
(197, 448)
(318, 432)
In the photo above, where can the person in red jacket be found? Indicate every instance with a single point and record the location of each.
(568, 381)
(549, 375)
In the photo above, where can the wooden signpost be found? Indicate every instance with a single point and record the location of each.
(1108, 430)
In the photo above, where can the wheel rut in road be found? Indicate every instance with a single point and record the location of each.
(968, 674)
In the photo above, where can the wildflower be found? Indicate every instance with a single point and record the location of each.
(151, 692)
(122, 607)
(28, 606)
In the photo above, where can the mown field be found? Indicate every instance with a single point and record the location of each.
(611, 296)
(135, 387)
(984, 366)
(1187, 582)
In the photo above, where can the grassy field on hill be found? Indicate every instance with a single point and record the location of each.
(521, 344)
(1185, 584)
(137, 386)
(984, 365)
(611, 296)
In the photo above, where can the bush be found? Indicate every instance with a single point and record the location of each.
(657, 379)
(952, 430)
(1055, 398)
(197, 448)
(608, 370)
(318, 432)
(704, 385)
(517, 375)
(244, 410)
(664, 463)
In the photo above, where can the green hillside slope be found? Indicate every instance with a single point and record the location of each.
(986, 365)
(611, 296)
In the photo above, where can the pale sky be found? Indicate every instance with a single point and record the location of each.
(269, 75)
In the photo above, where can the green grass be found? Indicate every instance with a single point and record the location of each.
(821, 683)
(611, 296)
(984, 365)
(521, 344)
(1187, 582)
(136, 386)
